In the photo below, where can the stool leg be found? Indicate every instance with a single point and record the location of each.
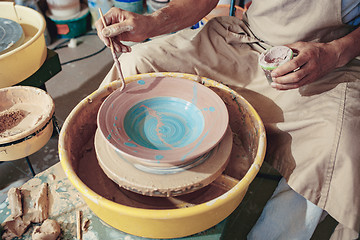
(232, 8)
(43, 87)
(30, 166)
(56, 125)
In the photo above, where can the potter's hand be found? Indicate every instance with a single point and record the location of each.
(123, 26)
(129, 26)
(313, 61)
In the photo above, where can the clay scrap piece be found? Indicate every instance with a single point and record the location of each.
(15, 204)
(15, 225)
(10, 118)
(21, 218)
(41, 206)
(85, 225)
(14, 228)
(49, 230)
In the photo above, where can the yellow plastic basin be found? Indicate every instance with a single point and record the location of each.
(20, 63)
(180, 221)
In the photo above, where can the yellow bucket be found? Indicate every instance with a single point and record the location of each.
(80, 127)
(23, 61)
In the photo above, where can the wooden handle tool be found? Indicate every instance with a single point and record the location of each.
(116, 60)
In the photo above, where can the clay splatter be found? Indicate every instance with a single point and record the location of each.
(159, 124)
(130, 144)
(141, 82)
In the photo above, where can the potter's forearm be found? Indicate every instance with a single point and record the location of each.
(179, 14)
(347, 47)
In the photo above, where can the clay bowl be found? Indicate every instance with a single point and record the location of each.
(25, 121)
(31, 53)
(162, 217)
(163, 121)
(273, 58)
(170, 181)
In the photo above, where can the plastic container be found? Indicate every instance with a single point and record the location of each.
(273, 58)
(135, 6)
(63, 8)
(31, 54)
(71, 27)
(94, 6)
(34, 130)
(34, 5)
(153, 5)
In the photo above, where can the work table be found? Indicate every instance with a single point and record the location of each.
(65, 201)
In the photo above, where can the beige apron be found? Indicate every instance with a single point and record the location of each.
(313, 132)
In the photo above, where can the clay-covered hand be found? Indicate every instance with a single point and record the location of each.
(313, 61)
(123, 26)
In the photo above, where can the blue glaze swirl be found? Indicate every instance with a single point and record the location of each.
(164, 123)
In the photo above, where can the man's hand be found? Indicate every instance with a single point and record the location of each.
(123, 26)
(313, 61)
(128, 26)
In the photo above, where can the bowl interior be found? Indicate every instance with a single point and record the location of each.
(31, 22)
(164, 123)
(163, 120)
(274, 57)
(11, 35)
(23, 111)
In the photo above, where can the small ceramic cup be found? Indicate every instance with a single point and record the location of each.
(273, 58)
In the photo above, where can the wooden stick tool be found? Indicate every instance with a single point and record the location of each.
(116, 60)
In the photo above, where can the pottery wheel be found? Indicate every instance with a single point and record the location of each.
(163, 182)
(11, 35)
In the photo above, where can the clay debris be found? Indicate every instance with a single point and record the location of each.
(15, 204)
(9, 119)
(18, 222)
(14, 228)
(15, 225)
(41, 206)
(49, 230)
(85, 225)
